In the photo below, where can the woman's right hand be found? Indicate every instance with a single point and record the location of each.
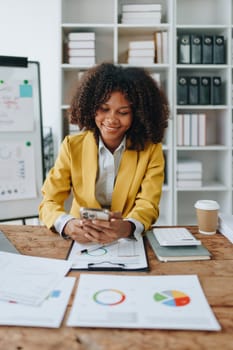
(74, 230)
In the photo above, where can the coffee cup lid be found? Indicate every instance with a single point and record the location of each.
(206, 204)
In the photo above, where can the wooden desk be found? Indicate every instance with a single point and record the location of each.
(216, 277)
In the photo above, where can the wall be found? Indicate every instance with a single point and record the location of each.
(30, 28)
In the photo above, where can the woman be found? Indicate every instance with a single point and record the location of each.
(115, 162)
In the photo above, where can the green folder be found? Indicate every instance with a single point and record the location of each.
(177, 253)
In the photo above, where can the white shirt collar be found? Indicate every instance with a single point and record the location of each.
(121, 146)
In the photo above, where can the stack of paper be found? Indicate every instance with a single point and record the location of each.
(141, 52)
(141, 13)
(149, 51)
(81, 48)
(226, 225)
(49, 313)
(33, 290)
(189, 173)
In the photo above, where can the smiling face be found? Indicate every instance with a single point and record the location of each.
(113, 119)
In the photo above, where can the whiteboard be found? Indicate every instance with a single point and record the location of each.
(21, 139)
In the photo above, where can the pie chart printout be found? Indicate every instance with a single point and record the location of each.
(173, 298)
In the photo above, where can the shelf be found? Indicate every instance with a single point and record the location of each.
(209, 17)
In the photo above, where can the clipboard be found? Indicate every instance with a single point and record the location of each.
(121, 255)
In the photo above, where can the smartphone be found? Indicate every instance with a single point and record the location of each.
(93, 213)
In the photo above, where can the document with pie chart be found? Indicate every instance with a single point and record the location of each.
(153, 302)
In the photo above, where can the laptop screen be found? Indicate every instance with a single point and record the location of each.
(6, 245)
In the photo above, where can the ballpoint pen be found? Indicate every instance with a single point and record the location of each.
(91, 249)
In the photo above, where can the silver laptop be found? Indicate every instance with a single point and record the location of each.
(6, 245)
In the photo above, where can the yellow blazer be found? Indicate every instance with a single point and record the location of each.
(137, 189)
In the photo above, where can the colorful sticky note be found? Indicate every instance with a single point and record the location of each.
(25, 90)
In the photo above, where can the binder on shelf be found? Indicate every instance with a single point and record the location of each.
(196, 49)
(219, 50)
(180, 130)
(202, 120)
(194, 86)
(187, 127)
(164, 46)
(207, 49)
(182, 90)
(184, 49)
(205, 91)
(217, 91)
(158, 47)
(194, 129)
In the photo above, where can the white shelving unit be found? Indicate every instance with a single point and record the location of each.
(210, 17)
(213, 17)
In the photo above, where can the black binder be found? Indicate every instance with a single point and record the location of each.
(182, 90)
(194, 86)
(219, 50)
(196, 49)
(207, 49)
(217, 91)
(184, 48)
(205, 91)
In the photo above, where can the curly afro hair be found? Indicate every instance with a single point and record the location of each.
(149, 104)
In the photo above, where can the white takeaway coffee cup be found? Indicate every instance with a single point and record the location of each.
(207, 216)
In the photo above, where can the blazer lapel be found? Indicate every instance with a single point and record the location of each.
(90, 166)
(124, 179)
